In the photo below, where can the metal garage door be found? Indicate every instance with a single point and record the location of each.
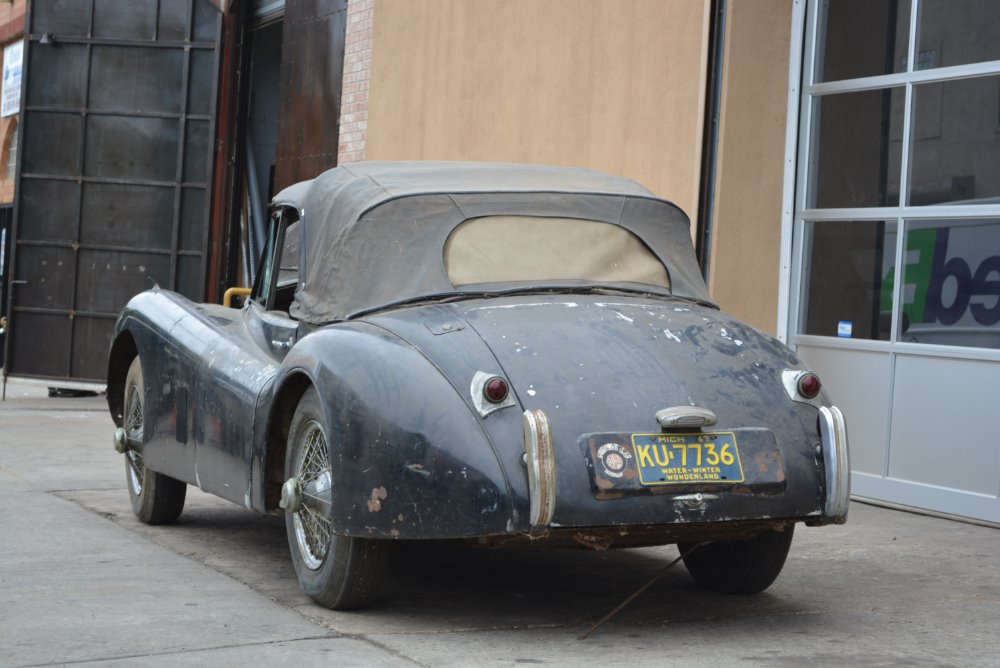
(114, 171)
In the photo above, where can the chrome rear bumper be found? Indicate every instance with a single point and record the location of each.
(837, 462)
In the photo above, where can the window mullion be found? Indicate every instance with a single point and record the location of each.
(897, 284)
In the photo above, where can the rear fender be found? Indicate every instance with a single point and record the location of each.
(409, 458)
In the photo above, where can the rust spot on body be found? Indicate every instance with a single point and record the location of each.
(375, 500)
(771, 459)
(594, 542)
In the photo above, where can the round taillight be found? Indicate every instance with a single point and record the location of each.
(809, 385)
(495, 389)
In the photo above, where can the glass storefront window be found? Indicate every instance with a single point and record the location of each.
(863, 38)
(938, 210)
(857, 149)
(847, 289)
(957, 32)
(955, 154)
(951, 283)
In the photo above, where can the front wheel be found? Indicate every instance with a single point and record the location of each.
(338, 572)
(739, 566)
(156, 498)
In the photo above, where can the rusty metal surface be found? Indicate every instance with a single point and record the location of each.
(311, 78)
(113, 175)
(601, 539)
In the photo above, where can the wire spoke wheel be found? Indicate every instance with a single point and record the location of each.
(133, 427)
(156, 498)
(336, 570)
(312, 529)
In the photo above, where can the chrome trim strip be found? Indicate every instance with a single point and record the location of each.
(541, 467)
(833, 432)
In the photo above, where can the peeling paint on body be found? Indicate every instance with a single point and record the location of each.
(509, 306)
(375, 501)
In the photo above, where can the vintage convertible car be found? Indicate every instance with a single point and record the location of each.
(485, 352)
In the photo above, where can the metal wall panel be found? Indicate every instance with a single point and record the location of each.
(116, 159)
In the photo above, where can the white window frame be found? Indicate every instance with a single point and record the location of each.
(802, 91)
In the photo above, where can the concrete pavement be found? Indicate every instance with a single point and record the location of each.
(82, 582)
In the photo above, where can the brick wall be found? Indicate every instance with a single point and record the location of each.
(11, 20)
(357, 78)
(11, 29)
(8, 126)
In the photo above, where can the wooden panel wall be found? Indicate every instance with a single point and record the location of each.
(613, 84)
(745, 262)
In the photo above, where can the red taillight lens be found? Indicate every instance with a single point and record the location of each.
(495, 389)
(809, 385)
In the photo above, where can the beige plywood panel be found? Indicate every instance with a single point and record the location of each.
(745, 261)
(613, 84)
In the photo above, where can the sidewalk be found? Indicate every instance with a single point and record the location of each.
(81, 581)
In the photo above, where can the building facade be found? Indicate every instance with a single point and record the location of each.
(838, 160)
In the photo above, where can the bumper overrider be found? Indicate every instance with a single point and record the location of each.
(541, 466)
(837, 463)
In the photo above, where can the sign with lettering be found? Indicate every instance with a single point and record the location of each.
(951, 284)
(13, 57)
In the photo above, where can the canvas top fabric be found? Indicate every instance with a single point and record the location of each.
(374, 234)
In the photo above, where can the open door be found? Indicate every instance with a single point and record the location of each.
(114, 173)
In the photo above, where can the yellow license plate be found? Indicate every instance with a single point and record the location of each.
(683, 459)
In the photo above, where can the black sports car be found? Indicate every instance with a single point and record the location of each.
(482, 352)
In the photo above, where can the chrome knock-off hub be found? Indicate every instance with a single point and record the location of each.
(291, 495)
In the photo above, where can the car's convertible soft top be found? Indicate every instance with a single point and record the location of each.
(400, 214)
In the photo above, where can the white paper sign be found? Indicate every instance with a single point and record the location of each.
(13, 56)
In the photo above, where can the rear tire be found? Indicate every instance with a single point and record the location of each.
(338, 572)
(739, 566)
(156, 498)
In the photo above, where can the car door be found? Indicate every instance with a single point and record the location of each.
(240, 365)
(266, 314)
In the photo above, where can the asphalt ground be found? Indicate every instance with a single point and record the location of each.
(83, 582)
